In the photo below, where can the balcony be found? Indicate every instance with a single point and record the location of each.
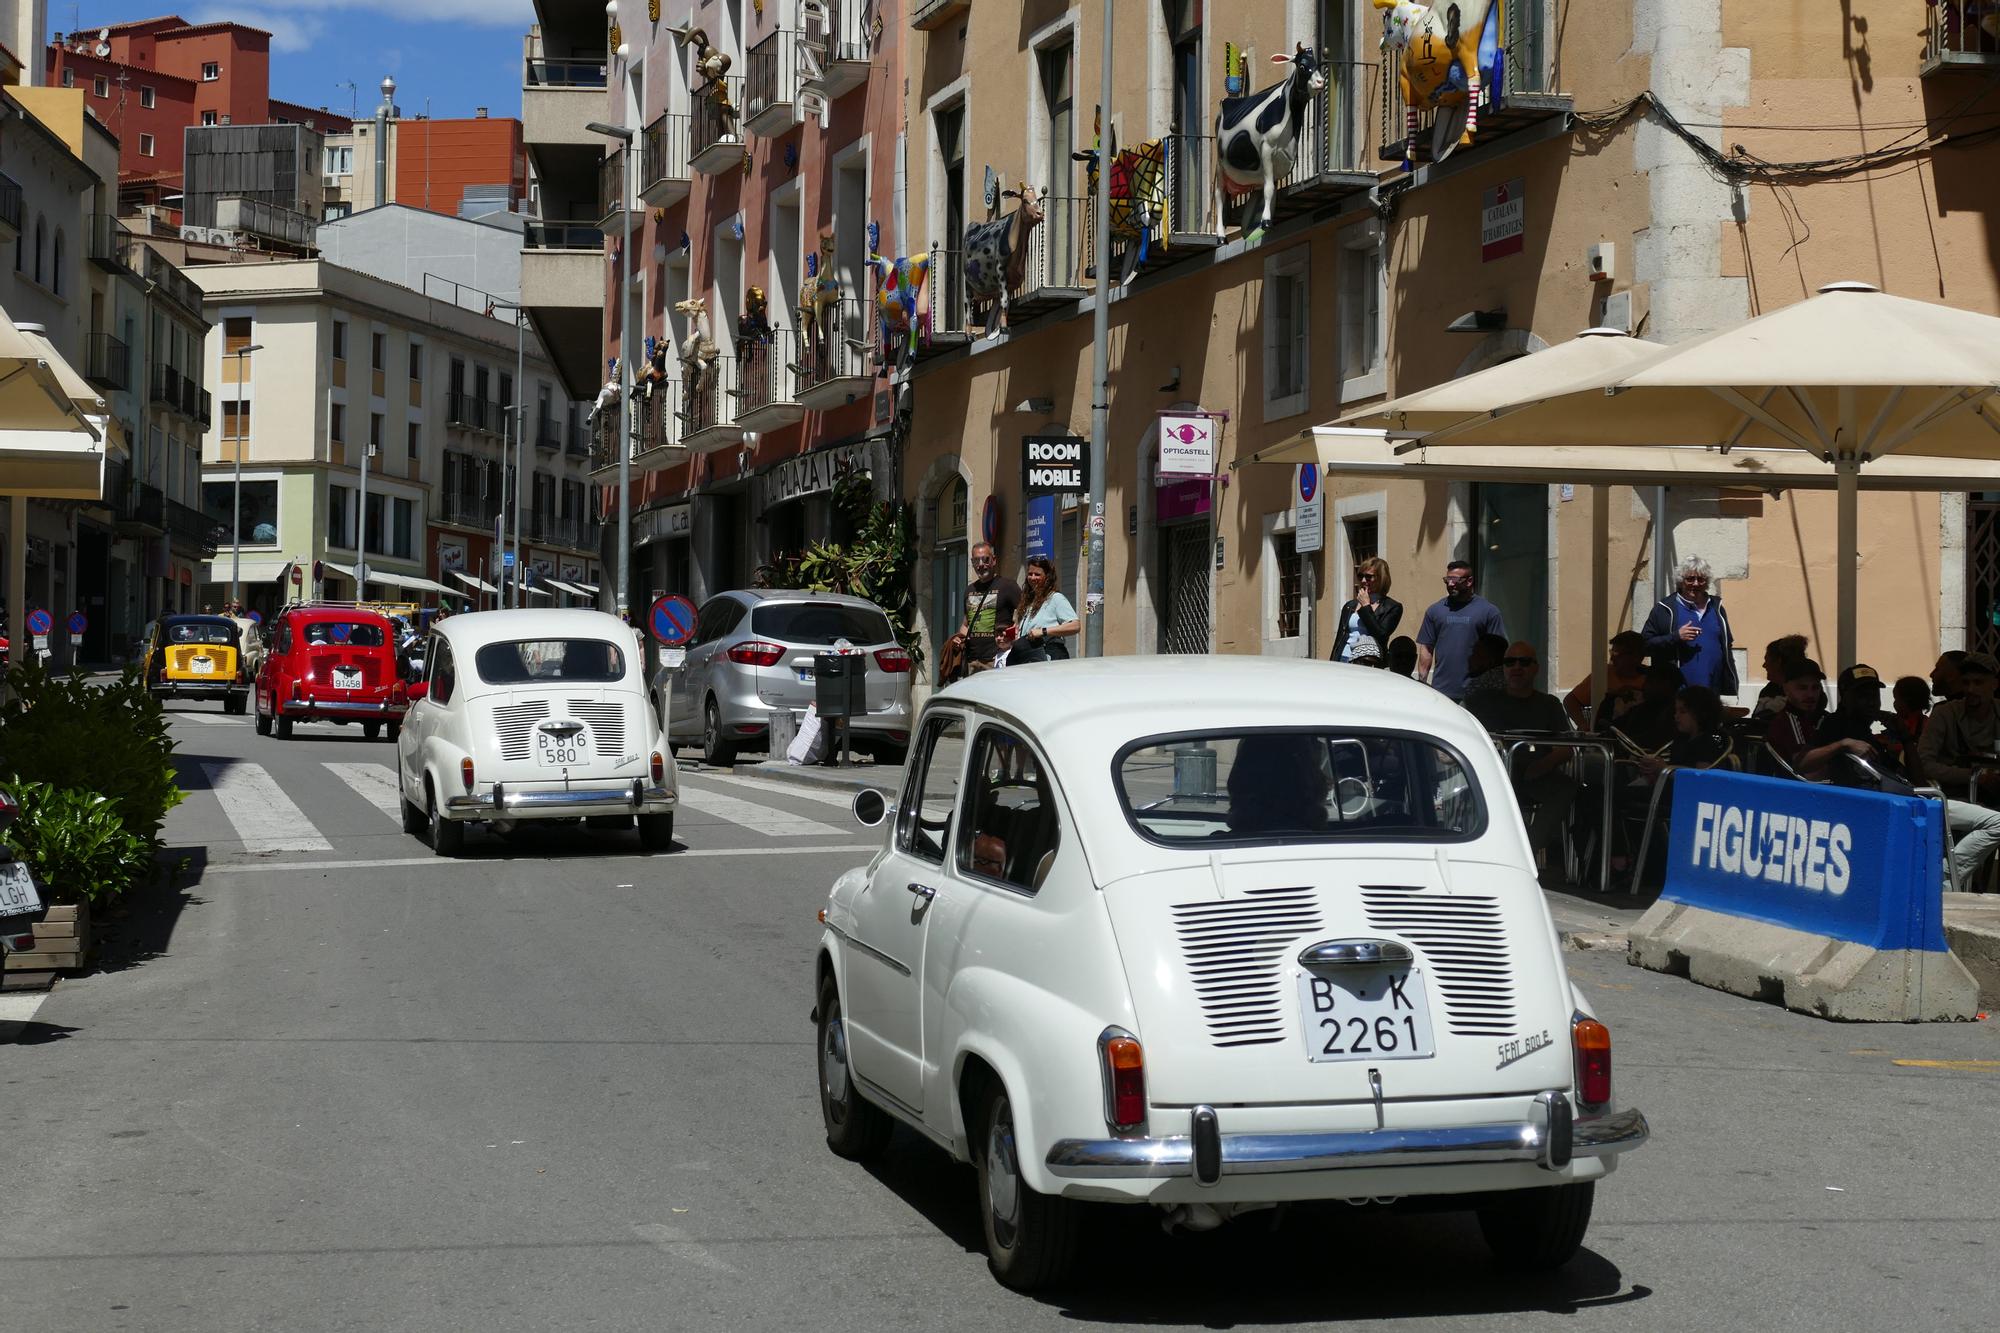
(576, 440)
(107, 362)
(170, 282)
(1512, 107)
(1326, 159)
(559, 98)
(708, 413)
(656, 423)
(467, 510)
(107, 243)
(835, 47)
(177, 393)
(767, 384)
(1955, 38)
(191, 532)
(771, 88)
(1180, 202)
(941, 321)
(468, 412)
(832, 367)
(611, 192)
(1053, 275)
(665, 179)
(562, 289)
(930, 15)
(10, 207)
(141, 511)
(715, 134)
(548, 434)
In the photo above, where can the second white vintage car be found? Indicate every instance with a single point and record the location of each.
(533, 715)
(1213, 935)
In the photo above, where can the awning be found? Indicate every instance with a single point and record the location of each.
(589, 589)
(48, 446)
(539, 592)
(413, 583)
(470, 581)
(252, 571)
(569, 588)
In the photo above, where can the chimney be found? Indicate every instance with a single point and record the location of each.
(382, 114)
(479, 113)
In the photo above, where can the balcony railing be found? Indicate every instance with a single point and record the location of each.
(834, 53)
(1052, 275)
(612, 200)
(469, 412)
(563, 74)
(108, 362)
(172, 282)
(715, 137)
(665, 160)
(1518, 99)
(656, 421)
(771, 87)
(576, 440)
(204, 411)
(140, 508)
(10, 203)
(833, 364)
(1955, 35)
(468, 509)
(768, 381)
(107, 242)
(548, 433)
(192, 532)
(930, 15)
(575, 235)
(708, 410)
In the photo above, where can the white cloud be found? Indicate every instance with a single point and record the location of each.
(290, 31)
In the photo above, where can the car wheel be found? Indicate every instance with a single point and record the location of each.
(856, 1129)
(284, 728)
(413, 818)
(716, 751)
(1538, 1229)
(1031, 1238)
(370, 730)
(656, 832)
(263, 723)
(447, 835)
(395, 730)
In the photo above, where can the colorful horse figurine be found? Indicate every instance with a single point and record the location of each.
(1437, 61)
(1138, 189)
(898, 284)
(819, 297)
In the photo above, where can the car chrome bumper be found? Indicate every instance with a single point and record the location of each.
(341, 708)
(503, 802)
(206, 688)
(1552, 1142)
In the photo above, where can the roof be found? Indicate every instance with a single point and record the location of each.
(197, 619)
(476, 628)
(153, 74)
(315, 612)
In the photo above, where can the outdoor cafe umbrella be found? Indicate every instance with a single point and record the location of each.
(48, 447)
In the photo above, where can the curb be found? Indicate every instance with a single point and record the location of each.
(837, 779)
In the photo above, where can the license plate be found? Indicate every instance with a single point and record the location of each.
(17, 890)
(805, 675)
(347, 678)
(201, 666)
(1366, 1014)
(552, 751)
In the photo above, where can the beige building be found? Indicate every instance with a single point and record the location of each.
(1376, 280)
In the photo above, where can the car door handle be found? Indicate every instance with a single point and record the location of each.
(924, 891)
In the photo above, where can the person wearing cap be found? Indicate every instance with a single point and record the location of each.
(1963, 731)
(1624, 674)
(1691, 630)
(1648, 723)
(1795, 727)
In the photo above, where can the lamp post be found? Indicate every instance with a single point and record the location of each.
(520, 414)
(1100, 378)
(242, 436)
(624, 136)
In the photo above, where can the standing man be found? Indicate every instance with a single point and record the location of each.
(1451, 629)
(991, 600)
(1691, 630)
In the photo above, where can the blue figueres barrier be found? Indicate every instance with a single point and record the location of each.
(1845, 864)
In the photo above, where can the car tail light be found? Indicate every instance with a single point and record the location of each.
(397, 694)
(298, 691)
(892, 659)
(19, 943)
(756, 652)
(465, 772)
(659, 768)
(1124, 1069)
(9, 809)
(1593, 1061)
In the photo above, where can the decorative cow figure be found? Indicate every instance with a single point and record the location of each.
(1255, 135)
(996, 257)
(1138, 190)
(898, 284)
(1430, 48)
(699, 354)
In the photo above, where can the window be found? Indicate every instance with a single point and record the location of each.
(1361, 313)
(236, 419)
(1364, 539)
(340, 516)
(1188, 111)
(378, 351)
(442, 670)
(146, 97)
(1287, 329)
(1012, 828)
(717, 619)
(236, 331)
(41, 250)
(821, 623)
(1058, 105)
(335, 211)
(210, 71)
(146, 145)
(1295, 785)
(589, 661)
(416, 443)
(355, 633)
(416, 363)
(374, 434)
(402, 518)
(100, 86)
(259, 525)
(57, 263)
(950, 129)
(69, 77)
(339, 340)
(340, 159)
(1288, 568)
(337, 423)
(208, 118)
(924, 827)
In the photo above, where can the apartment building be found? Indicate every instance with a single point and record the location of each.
(348, 367)
(1573, 207)
(465, 167)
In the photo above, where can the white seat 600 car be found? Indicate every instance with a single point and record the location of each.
(533, 715)
(1213, 935)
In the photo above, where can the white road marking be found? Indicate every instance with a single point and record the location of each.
(265, 819)
(20, 1008)
(373, 784)
(674, 1241)
(757, 818)
(476, 862)
(770, 788)
(209, 719)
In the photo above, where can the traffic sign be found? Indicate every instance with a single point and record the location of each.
(507, 559)
(672, 620)
(40, 622)
(1308, 510)
(338, 632)
(78, 622)
(254, 616)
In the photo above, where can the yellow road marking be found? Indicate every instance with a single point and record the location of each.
(1963, 1066)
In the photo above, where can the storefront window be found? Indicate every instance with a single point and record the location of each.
(949, 514)
(259, 523)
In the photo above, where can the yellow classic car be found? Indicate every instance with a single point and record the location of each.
(198, 657)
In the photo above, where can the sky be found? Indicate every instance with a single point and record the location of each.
(460, 54)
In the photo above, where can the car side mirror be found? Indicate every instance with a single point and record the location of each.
(420, 690)
(871, 807)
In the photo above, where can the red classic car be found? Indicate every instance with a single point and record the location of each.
(330, 664)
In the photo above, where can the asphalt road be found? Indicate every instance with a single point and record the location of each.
(560, 1085)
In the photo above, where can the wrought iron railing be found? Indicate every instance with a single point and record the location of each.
(837, 347)
(1524, 69)
(108, 362)
(563, 74)
(772, 81)
(1056, 252)
(1956, 33)
(665, 156)
(708, 402)
(572, 235)
(710, 127)
(765, 373)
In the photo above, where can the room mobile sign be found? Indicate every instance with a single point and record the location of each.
(1054, 465)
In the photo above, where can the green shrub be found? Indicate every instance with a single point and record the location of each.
(77, 843)
(108, 739)
(879, 564)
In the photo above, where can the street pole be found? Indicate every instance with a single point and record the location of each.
(1100, 372)
(520, 445)
(625, 389)
(242, 438)
(361, 520)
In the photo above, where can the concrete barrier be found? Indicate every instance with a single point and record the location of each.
(1823, 899)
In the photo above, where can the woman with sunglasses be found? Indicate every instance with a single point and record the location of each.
(1361, 632)
(1047, 619)
(1691, 630)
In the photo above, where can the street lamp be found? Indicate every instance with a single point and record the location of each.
(624, 136)
(520, 414)
(242, 435)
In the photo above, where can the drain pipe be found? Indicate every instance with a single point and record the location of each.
(382, 114)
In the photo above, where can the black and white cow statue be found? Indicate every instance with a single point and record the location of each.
(1255, 135)
(996, 257)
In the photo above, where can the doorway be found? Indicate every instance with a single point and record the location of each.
(1512, 557)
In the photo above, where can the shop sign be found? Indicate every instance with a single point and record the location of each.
(1054, 464)
(1308, 509)
(572, 573)
(451, 555)
(675, 521)
(1038, 528)
(544, 568)
(809, 474)
(1187, 445)
(1503, 220)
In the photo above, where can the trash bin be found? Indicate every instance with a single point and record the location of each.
(841, 684)
(1194, 770)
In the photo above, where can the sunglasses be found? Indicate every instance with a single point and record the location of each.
(1519, 661)
(1693, 582)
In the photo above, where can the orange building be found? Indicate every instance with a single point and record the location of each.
(437, 159)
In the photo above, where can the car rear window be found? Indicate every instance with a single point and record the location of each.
(199, 633)
(820, 623)
(1284, 785)
(524, 661)
(344, 634)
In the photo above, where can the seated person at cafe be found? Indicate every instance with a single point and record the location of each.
(1542, 777)
(1912, 699)
(1794, 729)
(1624, 676)
(1963, 732)
(1482, 665)
(1648, 724)
(1700, 741)
(1771, 699)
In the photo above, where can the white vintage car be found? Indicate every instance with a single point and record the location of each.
(1213, 935)
(533, 715)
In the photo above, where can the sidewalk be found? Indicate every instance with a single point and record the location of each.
(861, 774)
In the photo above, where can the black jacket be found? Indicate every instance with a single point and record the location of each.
(1666, 646)
(1380, 620)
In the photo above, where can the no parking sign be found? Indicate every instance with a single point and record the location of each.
(672, 620)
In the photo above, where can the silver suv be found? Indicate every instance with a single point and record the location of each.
(752, 654)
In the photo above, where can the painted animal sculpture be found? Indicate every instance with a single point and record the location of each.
(819, 297)
(898, 284)
(1138, 189)
(1255, 135)
(699, 352)
(711, 63)
(753, 326)
(996, 257)
(1429, 45)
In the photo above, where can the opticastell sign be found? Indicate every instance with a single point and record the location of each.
(1054, 465)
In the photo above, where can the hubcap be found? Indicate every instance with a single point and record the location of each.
(1003, 1177)
(833, 1079)
(714, 728)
